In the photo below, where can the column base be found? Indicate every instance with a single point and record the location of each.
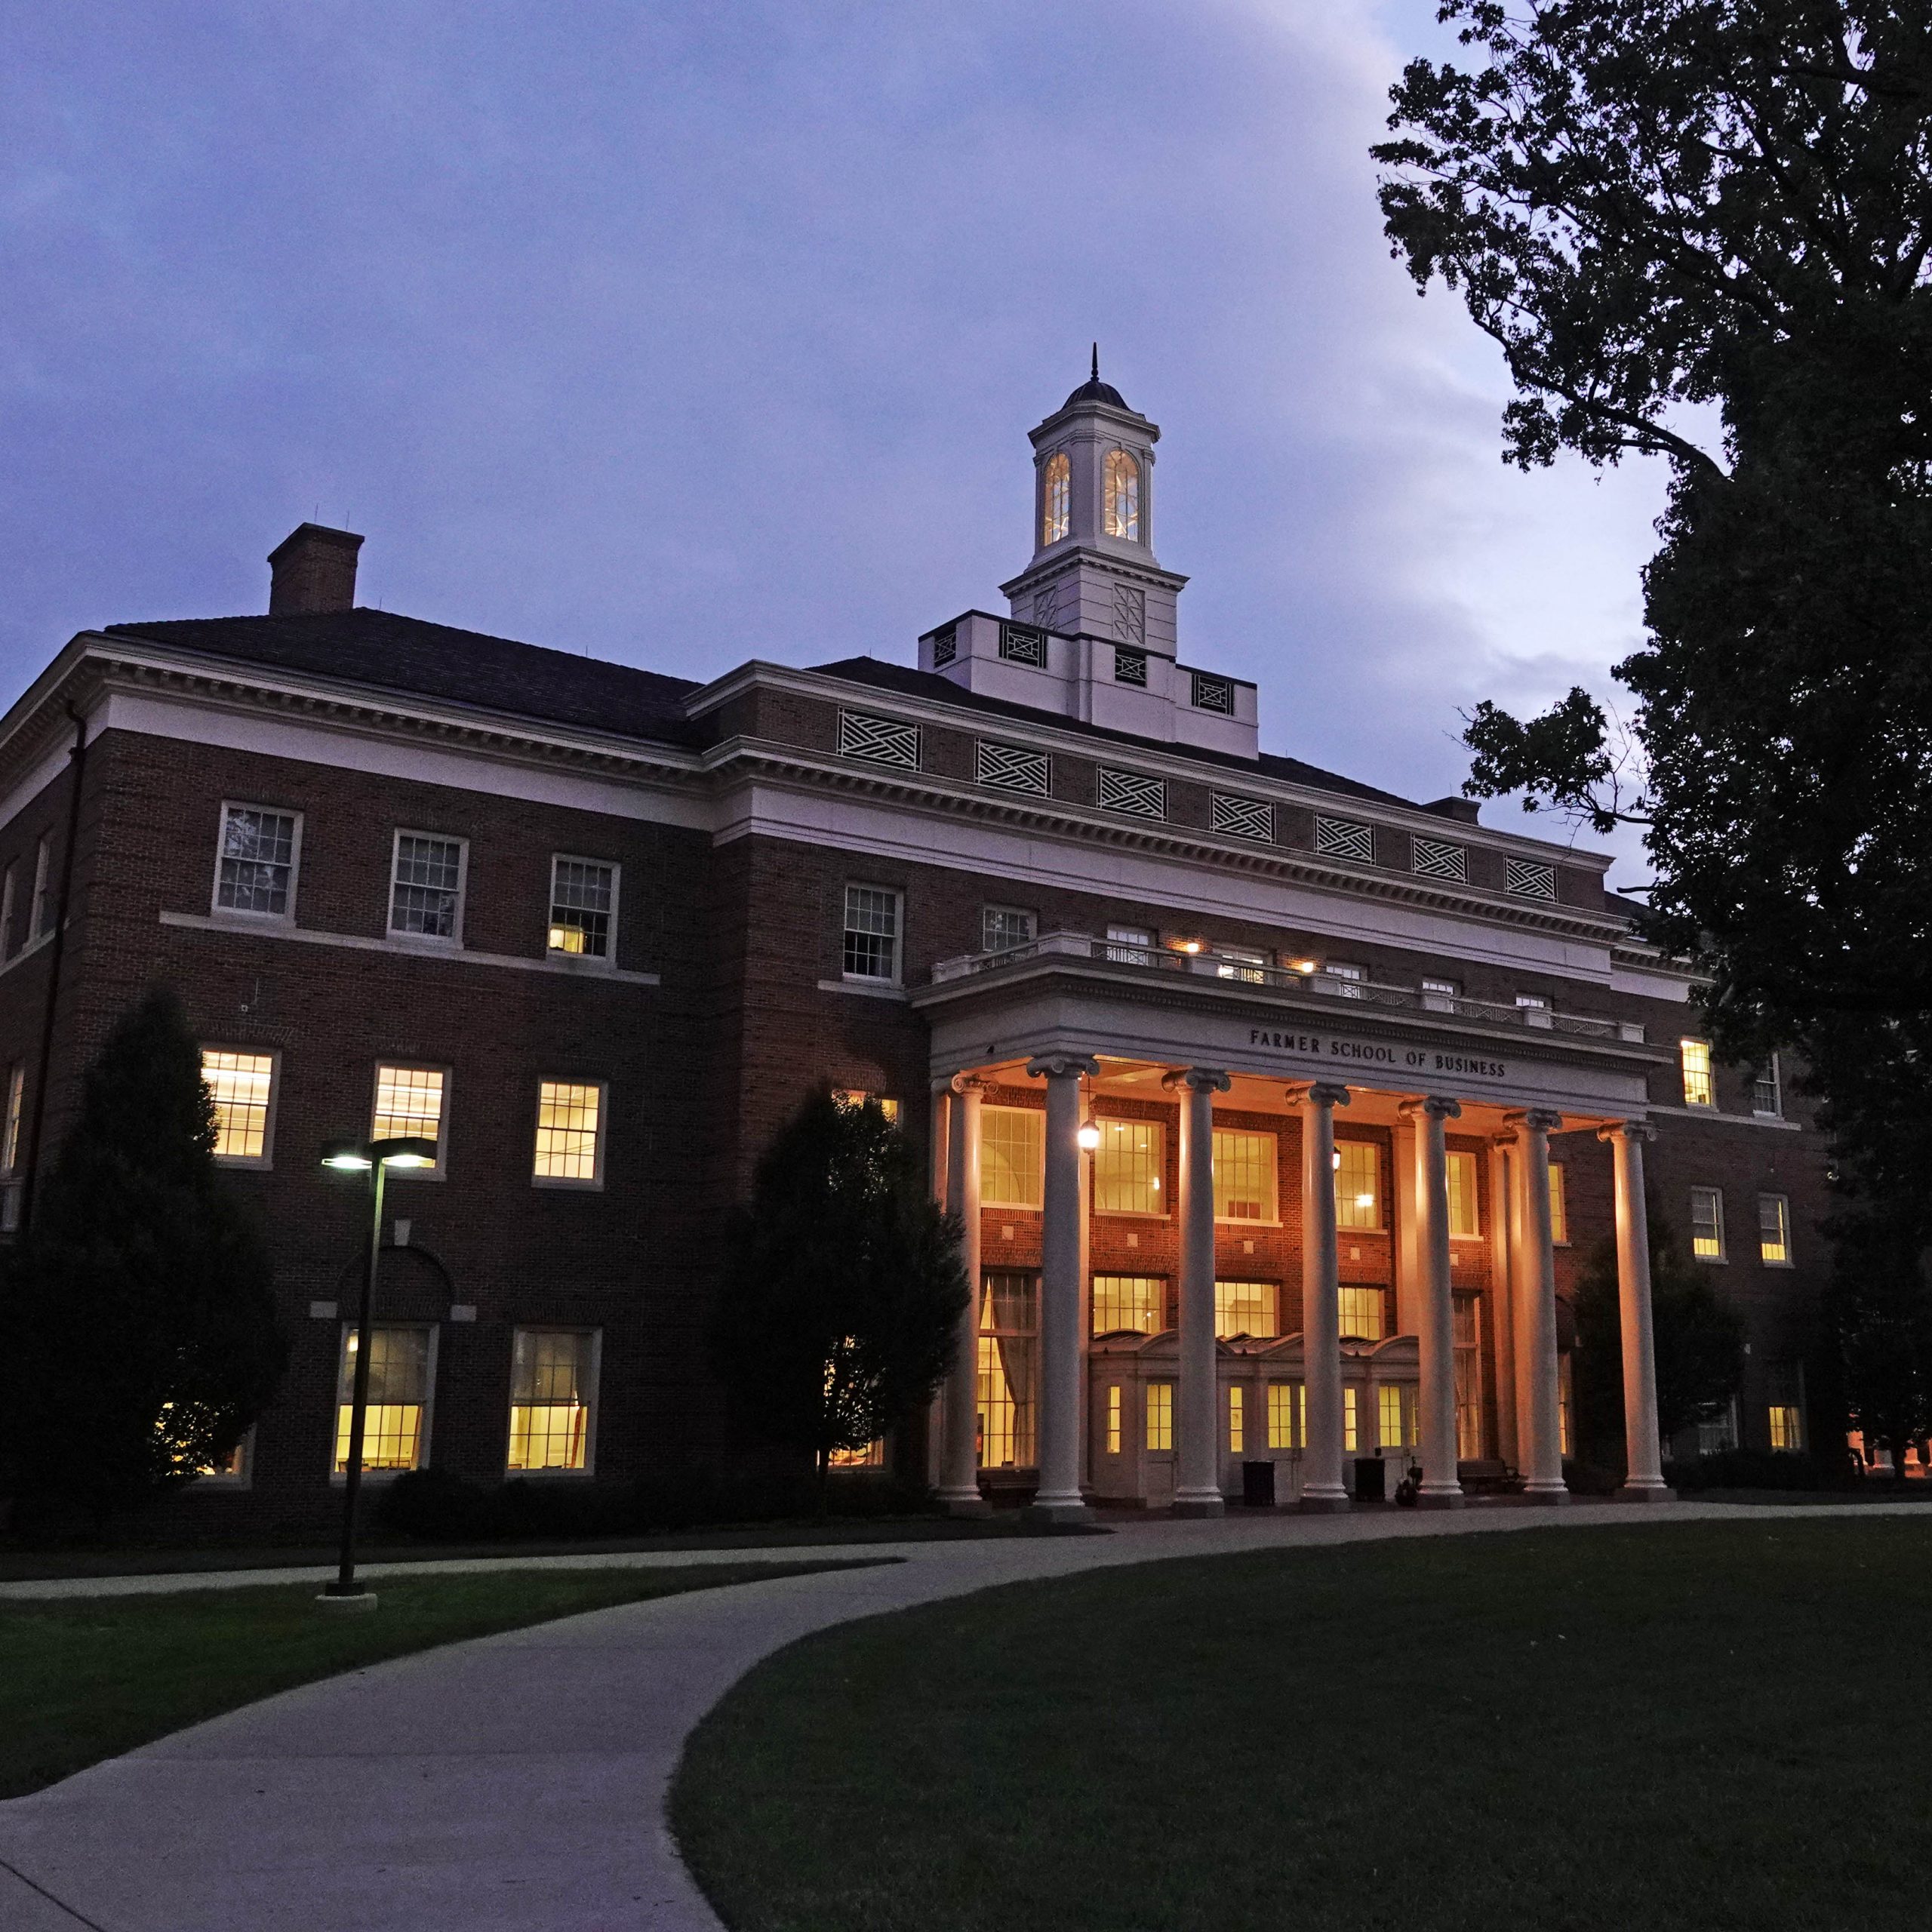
(1546, 1492)
(965, 1502)
(1059, 1513)
(1441, 1499)
(347, 1602)
(1334, 1503)
(1200, 1505)
(1658, 1491)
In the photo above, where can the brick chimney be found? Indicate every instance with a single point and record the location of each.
(312, 570)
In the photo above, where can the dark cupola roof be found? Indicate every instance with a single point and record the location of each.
(1094, 390)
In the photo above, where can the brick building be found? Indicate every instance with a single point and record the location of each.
(1283, 1111)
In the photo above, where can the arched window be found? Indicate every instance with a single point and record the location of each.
(1054, 521)
(1123, 496)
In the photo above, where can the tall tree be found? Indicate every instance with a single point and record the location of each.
(844, 1287)
(138, 1336)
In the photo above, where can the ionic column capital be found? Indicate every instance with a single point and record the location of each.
(1062, 1066)
(1197, 1080)
(967, 1083)
(1319, 1093)
(1627, 1129)
(1435, 1106)
(1536, 1120)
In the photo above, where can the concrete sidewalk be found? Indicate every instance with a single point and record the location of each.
(517, 1783)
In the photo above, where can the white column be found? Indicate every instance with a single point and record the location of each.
(1441, 1488)
(939, 1144)
(1502, 1297)
(1058, 1498)
(1542, 1456)
(959, 1468)
(1642, 1450)
(1197, 1466)
(1321, 1486)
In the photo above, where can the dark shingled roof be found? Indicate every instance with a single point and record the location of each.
(381, 650)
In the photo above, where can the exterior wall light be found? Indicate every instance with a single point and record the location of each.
(1187, 945)
(1304, 966)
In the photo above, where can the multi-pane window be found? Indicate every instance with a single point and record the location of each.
(256, 869)
(1009, 1345)
(1121, 496)
(1129, 945)
(1013, 1143)
(1559, 1205)
(6, 914)
(553, 1389)
(409, 1100)
(1787, 1427)
(570, 1140)
(1707, 1223)
(1350, 1420)
(1439, 995)
(1534, 1008)
(1774, 1228)
(1002, 927)
(1237, 1420)
(10, 1130)
(1244, 1175)
(1394, 1418)
(426, 898)
(1463, 1214)
(1055, 518)
(1363, 1313)
(1246, 1308)
(1696, 1056)
(868, 1456)
(242, 1087)
(1344, 981)
(856, 1096)
(1241, 962)
(1160, 1415)
(37, 913)
(1766, 1094)
(393, 1428)
(1288, 1414)
(1113, 1418)
(1717, 1430)
(872, 933)
(1357, 1184)
(1127, 1168)
(1136, 1301)
(1467, 1320)
(583, 907)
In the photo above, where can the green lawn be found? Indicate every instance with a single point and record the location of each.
(82, 1680)
(1671, 1727)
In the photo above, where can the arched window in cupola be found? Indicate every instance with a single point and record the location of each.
(1055, 513)
(1122, 478)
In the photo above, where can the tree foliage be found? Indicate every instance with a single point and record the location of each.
(845, 1287)
(138, 1336)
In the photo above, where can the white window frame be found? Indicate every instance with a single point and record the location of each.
(1454, 1154)
(897, 975)
(594, 1184)
(1774, 1075)
(37, 910)
(1723, 1255)
(1441, 995)
(1273, 1218)
(1160, 1212)
(1130, 946)
(989, 912)
(1784, 1208)
(589, 961)
(263, 1162)
(9, 886)
(287, 916)
(1708, 1075)
(1347, 980)
(1036, 1205)
(433, 941)
(426, 1438)
(440, 1171)
(594, 1406)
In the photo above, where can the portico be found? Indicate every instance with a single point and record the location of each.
(1237, 1234)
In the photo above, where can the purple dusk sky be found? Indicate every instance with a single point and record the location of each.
(682, 333)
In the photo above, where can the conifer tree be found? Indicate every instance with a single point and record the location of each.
(138, 1336)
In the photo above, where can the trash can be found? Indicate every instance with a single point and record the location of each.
(1258, 1485)
(1371, 1480)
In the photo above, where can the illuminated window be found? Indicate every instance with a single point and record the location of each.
(583, 907)
(1009, 1344)
(1351, 1421)
(872, 933)
(1696, 1073)
(1468, 1326)
(1113, 1418)
(1707, 1223)
(409, 1100)
(1787, 1427)
(1127, 1168)
(242, 1086)
(425, 900)
(1121, 489)
(1160, 1415)
(1464, 1221)
(1237, 1428)
(1241, 962)
(37, 911)
(1389, 1422)
(10, 1131)
(870, 1456)
(1138, 1301)
(570, 1118)
(1287, 1415)
(1013, 1143)
(1055, 518)
(1362, 1312)
(1767, 1090)
(1246, 1308)
(255, 870)
(1244, 1175)
(232, 1469)
(396, 1423)
(553, 1387)
(1559, 1206)
(856, 1096)
(1002, 927)
(1358, 1184)
(1774, 1229)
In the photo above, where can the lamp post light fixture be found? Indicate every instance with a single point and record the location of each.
(374, 1157)
(1089, 1136)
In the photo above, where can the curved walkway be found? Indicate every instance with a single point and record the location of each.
(516, 1783)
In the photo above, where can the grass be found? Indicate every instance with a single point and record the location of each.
(84, 1679)
(1716, 1726)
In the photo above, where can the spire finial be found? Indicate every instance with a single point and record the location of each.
(1097, 361)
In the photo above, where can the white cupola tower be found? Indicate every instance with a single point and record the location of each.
(1093, 573)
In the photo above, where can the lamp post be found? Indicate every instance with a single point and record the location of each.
(374, 1157)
